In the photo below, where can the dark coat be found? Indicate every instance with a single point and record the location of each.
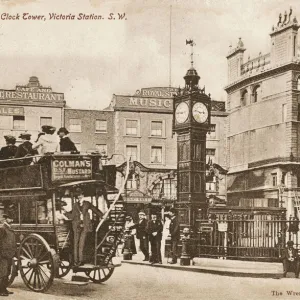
(8, 248)
(174, 229)
(25, 149)
(152, 227)
(7, 152)
(285, 254)
(141, 229)
(66, 144)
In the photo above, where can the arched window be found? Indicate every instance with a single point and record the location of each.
(298, 83)
(256, 93)
(244, 98)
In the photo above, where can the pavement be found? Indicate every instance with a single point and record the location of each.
(234, 268)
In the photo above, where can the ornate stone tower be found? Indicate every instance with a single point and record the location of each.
(192, 110)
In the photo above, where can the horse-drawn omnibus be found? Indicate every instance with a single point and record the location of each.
(36, 194)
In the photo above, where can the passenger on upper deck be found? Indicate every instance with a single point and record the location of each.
(25, 149)
(65, 142)
(47, 142)
(8, 151)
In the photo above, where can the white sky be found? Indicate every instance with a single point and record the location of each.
(89, 61)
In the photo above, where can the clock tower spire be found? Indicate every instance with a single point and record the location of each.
(191, 121)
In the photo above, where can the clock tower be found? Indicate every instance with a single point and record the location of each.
(191, 121)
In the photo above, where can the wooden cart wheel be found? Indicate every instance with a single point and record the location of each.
(65, 265)
(37, 263)
(100, 275)
(13, 272)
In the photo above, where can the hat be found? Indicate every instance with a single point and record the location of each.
(290, 243)
(61, 203)
(142, 213)
(25, 136)
(10, 138)
(128, 218)
(63, 129)
(48, 129)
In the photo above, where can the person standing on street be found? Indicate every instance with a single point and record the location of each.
(174, 229)
(155, 228)
(8, 250)
(290, 259)
(65, 143)
(142, 235)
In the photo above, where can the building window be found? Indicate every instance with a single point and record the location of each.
(156, 155)
(298, 83)
(101, 126)
(19, 122)
(294, 46)
(156, 128)
(210, 155)
(244, 98)
(45, 121)
(131, 152)
(75, 125)
(131, 184)
(256, 94)
(5, 122)
(78, 146)
(131, 127)
(102, 148)
(212, 131)
(284, 112)
(274, 179)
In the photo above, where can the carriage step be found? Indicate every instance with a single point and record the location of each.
(78, 283)
(77, 278)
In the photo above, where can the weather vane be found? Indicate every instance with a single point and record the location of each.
(192, 43)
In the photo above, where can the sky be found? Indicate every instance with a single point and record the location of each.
(90, 60)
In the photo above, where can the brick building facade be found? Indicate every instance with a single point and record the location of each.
(263, 150)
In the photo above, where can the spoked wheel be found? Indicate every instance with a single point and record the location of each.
(13, 272)
(65, 265)
(37, 263)
(100, 275)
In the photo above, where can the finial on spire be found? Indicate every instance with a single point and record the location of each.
(290, 14)
(191, 42)
(279, 20)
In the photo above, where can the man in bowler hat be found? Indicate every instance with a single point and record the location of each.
(8, 250)
(65, 143)
(174, 229)
(290, 259)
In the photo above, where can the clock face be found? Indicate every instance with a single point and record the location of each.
(182, 112)
(200, 112)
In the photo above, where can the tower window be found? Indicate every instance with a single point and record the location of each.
(274, 179)
(256, 93)
(298, 83)
(244, 98)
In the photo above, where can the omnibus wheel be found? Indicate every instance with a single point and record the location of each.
(37, 262)
(100, 275)
(65, 265)
(13, 272)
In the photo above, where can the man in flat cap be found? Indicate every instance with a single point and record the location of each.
(8, 250)
(290, 259)
(142, 235)
(65, 143)
(47, 143)
(8, 151)
(25, 149)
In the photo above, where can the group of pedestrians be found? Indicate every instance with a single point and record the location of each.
(46, 142)
(151, 232)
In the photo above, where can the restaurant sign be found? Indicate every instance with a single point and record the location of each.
(70, 168)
